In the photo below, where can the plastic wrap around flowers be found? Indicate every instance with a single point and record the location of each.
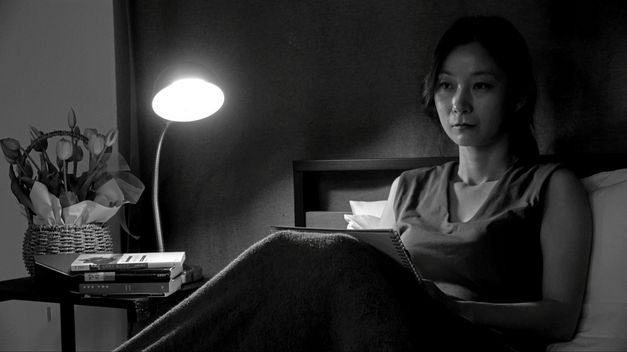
(58, 192)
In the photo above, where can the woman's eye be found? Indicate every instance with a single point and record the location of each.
(482, 86)
(445, 85)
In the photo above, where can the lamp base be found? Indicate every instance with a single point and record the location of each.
(191, 273)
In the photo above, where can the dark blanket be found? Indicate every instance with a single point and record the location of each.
(298, 292)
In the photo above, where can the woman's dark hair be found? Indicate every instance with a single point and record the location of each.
(509, 49)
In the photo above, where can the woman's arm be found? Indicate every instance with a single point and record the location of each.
(565, 239)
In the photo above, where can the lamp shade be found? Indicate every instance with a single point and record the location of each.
(185, 93)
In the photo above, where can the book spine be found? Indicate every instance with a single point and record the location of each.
(110, 267)
(99, 276)
(122, 276)
(122, 266)
(130, 288)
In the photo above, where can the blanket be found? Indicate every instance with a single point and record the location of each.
(302, 292)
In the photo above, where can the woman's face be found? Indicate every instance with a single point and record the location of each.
(470, 97)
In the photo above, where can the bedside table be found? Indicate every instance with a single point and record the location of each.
(139, 309)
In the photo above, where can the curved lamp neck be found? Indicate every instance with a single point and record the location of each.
(155, 191)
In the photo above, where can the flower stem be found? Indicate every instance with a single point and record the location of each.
(75, 142)
(99, 159)
(50, 163)
(19, 166)
(31, 159)
(65, 165)
(92, 172)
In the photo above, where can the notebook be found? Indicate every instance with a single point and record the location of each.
(387, 241)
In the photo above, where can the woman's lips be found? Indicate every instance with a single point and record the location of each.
(462, 125)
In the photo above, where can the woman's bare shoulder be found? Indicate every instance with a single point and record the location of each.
(564, 182)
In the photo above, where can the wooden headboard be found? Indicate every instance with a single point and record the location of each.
(326, 186)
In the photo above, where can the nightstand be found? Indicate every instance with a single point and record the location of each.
(140, 311)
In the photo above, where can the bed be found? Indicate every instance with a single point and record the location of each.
(323, 189)
(269, 298)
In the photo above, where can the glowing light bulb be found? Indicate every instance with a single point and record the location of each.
(188, 99)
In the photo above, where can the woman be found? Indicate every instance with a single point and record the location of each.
(505, 241)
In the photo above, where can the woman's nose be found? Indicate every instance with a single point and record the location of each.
(461, 101)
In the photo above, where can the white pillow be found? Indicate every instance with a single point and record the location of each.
(362, 222)
(365, 214)
(374, 208)
(603, 324)
(604, 179)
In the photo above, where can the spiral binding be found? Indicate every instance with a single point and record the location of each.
(404, 256)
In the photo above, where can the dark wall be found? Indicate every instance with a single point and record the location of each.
(339, 79)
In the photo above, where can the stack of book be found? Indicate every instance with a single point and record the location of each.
(106, 274)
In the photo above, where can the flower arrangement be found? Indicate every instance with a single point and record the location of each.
(55, 191)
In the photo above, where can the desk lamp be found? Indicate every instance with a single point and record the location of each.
(182, 93)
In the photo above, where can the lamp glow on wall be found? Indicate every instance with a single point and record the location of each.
(182, 93)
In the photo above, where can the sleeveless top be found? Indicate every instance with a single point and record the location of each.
(493, 257)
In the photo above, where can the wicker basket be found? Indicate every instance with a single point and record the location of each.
(64, 239)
